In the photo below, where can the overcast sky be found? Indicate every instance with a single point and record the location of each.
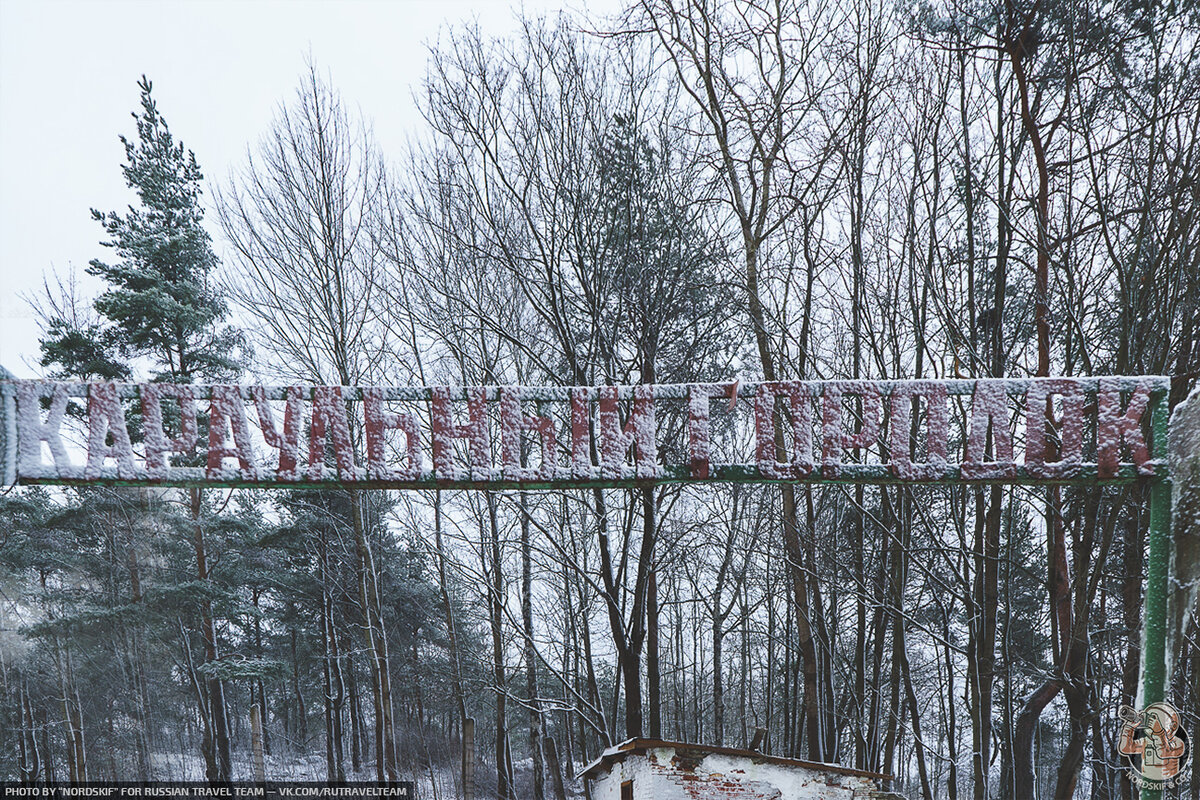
(68, 84)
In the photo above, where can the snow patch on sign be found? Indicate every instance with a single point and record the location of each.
(512, 423)
(32, 431)
(799, 398)
(1114, 427)
(378, 421)
(989, 412)
(582, 467)
(699, 430)
(937, 422)
(1039, 411)
(225, 410)
(445, 431)
(639, 432)
(287, 441)
(329, 416)
(158, 446)
(837, 441)
(106, 416)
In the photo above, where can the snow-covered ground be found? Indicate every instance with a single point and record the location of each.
(439, 784)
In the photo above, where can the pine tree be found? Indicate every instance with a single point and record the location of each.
(662, 267)
(160, 301)
(161, 310)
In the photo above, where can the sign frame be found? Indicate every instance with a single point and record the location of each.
(600, 444)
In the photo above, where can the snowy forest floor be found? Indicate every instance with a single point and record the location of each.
(440, 783)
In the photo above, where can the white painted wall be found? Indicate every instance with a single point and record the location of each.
(655, 777)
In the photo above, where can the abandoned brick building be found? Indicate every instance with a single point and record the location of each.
(649, 769)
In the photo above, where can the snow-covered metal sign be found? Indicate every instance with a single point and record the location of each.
(1052, 430)
(1066, 430)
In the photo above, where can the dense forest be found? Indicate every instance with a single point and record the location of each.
(703, 191)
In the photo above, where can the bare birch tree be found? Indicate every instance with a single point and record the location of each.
(307, 272)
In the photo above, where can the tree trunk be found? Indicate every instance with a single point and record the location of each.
(653, 678)
(552, 762)
(258, 687)
(504, 777)
(951, 716)
(452, 635)
(256, 743)
(376, 641)
(332, 676)
(356, 721)
(531, 682)
(899, 581)
(301, 724)
(718, 675)
(791, 523)
(807, 647)
(136, 655)
(1133, 549)
(219, 764)
(1072, 758)
(30, 762)
(1023, 736)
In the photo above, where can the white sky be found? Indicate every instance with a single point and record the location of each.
(68, 84)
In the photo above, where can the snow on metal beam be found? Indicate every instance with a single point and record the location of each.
(1066, 430)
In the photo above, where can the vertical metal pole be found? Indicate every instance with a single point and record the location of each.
(468, 759)
(1154, 676)
(8, 428)
(256, 743)
(1154, 625)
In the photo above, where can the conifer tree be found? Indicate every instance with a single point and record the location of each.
(160, 309)
(159, 301)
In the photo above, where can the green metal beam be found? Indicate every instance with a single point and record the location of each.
(1154, 622)
(874, 474)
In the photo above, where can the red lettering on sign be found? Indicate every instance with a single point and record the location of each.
(901, 430)
(158, 446)
(699, 439)
(329, 415)
(34, 431)
(378, 422)
(226, 409)
(800, 409)
(638, 431)
(286, 442)
(581, 435)
(989, 411)
(512, 423)
(1114, 427)
(445, 432)
(833, 430)
(107, 416)
(1039, 410)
